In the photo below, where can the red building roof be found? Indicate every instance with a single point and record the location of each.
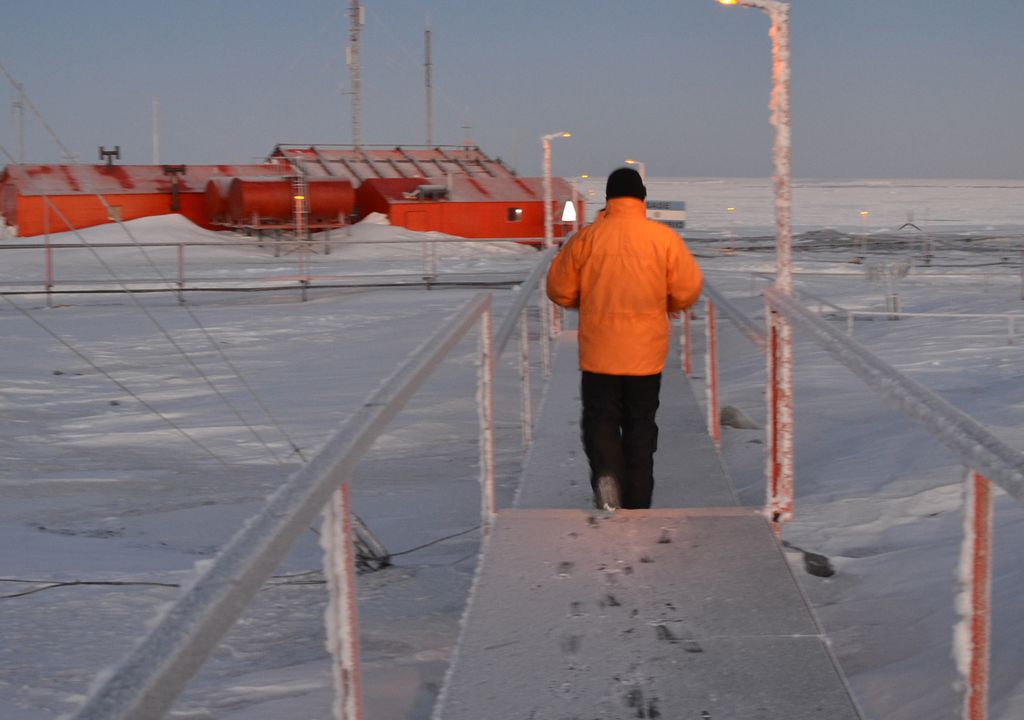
(122, 179)
(466, 189)
(365, 162)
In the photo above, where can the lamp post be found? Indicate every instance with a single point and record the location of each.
(641, 168)
(546, 144)
(780, 332)
(578, 209)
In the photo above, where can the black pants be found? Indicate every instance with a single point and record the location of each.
(619, 432)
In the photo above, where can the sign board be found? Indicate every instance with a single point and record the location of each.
(668, 212)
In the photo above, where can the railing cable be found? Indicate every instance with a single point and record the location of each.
(39, 116)
(976, 446)
(117, 382)
(220, 351)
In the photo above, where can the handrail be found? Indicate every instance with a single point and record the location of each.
(975, 445)
(747, 326)
(150, 678)
(979, 449)
(241, 242)
(508, 325)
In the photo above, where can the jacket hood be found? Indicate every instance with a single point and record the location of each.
(626, 206)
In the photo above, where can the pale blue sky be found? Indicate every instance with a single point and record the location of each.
(896, 88)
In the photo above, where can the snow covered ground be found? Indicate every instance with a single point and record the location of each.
(121, 464)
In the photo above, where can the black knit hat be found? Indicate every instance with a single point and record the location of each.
(625, 182)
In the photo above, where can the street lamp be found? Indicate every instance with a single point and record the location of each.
(779, 14)
(641, 168)
(780, 340)
(546, 144)
(577, 217)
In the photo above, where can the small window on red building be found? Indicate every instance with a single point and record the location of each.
(515, 214)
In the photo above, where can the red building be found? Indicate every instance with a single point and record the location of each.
(455, 190)
(477, 207)
(37, 199)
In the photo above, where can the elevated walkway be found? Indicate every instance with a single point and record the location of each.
(687, 610)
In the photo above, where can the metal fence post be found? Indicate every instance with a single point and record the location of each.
(975, 604)
(181, 273)
(780, 418)
(49, 272)
(545, 335)
(526, 416)
(486, 405)
(687, 340)
(337, 539)
(711, 370)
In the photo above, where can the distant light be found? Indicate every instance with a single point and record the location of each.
(566, 134)
(731, 209)
(300, 197)
(864, 213)
(584, 176)
(728, 2)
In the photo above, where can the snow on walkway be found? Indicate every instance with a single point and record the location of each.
(668, 612)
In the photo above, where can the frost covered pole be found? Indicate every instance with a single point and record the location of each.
(545, 142)
(181, 273)
(971, 641)
(687, 362)
(49, 265)
(526, 407)
(711, 369)
(780, 332)
(549, 236)
(486, 404)
(337, 540)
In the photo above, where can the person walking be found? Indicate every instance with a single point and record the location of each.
(625, 274)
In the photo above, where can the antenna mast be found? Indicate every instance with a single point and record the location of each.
(430, 104)
(18, 106)
(156, 130)
(356, 19)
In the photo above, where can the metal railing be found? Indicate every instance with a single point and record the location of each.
(1009, 318)
(987, 458)
(147, 682)
(175, 275)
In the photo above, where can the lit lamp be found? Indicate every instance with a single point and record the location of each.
(779, 14)
(546, 144)
(641, 168)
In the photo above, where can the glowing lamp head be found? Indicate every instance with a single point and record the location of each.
(728, 2)
(566, 134)
(300, 197)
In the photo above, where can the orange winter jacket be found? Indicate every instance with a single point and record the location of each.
(625, 273)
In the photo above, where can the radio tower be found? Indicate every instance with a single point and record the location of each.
(18, 107)
(430, 108)
(356, 18)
